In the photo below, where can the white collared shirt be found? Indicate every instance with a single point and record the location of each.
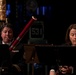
(7, 43)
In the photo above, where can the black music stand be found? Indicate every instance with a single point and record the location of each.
(54, 54)
(5, 61)
(4, 54)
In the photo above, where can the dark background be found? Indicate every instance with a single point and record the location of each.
(58, 16)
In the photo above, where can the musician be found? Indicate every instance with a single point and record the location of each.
(70, 40)
(7, 37)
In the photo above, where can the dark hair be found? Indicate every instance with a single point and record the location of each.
(67, 39)
(6, 25)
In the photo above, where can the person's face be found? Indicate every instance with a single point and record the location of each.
(64, 69)
(72, 36)
(7, 34)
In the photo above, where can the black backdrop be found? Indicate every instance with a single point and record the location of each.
(55, 22)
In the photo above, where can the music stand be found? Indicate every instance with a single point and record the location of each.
(53, 54)
(4, 55)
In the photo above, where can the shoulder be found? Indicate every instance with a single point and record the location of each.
(0, 42)
(65, 44)
(19, 46)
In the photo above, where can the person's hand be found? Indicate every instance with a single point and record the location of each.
(52, 72)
